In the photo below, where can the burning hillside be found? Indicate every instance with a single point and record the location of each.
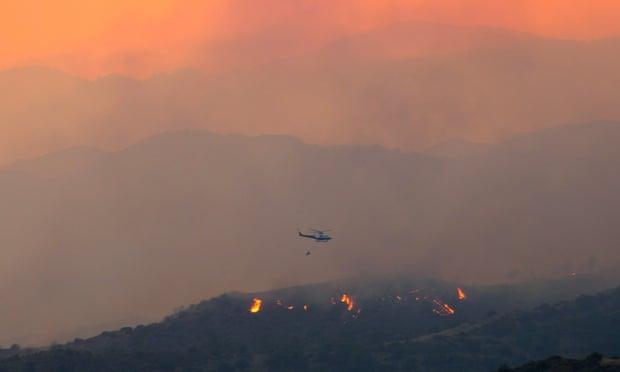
(349, 302)
(345, 299)
(257, 303)
(461, 294)
(427, 328)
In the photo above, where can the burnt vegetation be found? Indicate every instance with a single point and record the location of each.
(593, 363)
(362, 325)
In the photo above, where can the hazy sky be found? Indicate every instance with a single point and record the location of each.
(180, 217)
(140, 37)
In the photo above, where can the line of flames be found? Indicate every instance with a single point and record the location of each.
(439, 307)
(345, 299)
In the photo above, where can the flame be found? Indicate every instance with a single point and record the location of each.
(442, 308)
(256, 305)
(448, 309)
(438, 306)
(348, 301)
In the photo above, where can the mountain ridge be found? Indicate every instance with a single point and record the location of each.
(203, 200)
(407, 102)
(223, 331)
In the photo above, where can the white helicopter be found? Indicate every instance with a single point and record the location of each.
(319, 236)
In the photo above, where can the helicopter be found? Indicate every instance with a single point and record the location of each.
(319, 236)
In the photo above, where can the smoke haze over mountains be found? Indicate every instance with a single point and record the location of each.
(382, 87)
(141, 38)
(110, 237)
(154, 154)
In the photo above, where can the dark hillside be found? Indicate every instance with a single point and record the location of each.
(593, 363)
(395, 324)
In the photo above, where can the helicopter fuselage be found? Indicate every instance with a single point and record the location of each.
(321, 238)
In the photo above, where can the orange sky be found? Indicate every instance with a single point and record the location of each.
(139, 37)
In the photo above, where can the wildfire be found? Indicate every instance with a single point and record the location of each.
(448, 309)
(348, 301)
(442, 308)
(437, 305)
(256, 305)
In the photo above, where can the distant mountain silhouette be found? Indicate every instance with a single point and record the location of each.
(411, 39)
(457, 149)
(123, 237)
(59, 163)
(409, 86)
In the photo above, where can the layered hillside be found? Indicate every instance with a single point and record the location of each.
(369, 325)
(121, 238)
